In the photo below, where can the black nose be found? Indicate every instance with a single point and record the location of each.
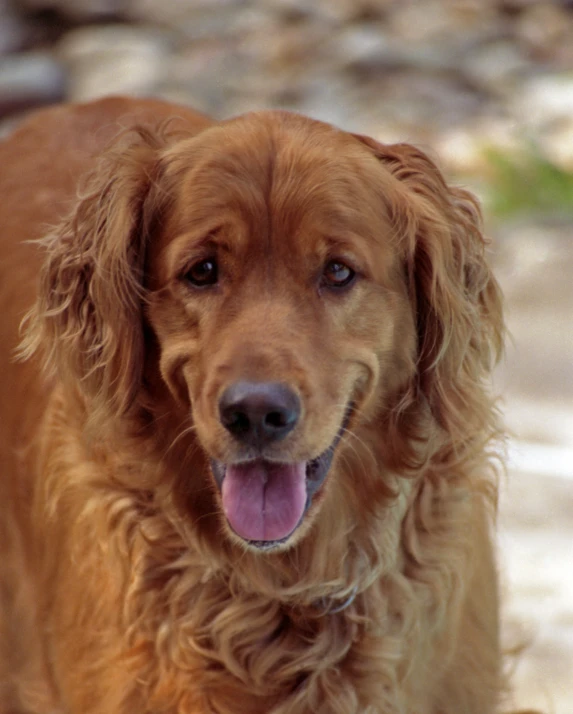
(258, 413)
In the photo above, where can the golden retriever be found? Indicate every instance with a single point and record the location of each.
(247, 448)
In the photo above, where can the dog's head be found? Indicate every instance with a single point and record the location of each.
(302, 298)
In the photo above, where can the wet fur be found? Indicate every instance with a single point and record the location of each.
(122, 588)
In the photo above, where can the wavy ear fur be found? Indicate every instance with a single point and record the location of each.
(87, 320)
(457, 301)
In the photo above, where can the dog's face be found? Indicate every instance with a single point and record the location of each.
(276, 295)
(295, 294)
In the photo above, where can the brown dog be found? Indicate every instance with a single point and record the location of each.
(245, 454)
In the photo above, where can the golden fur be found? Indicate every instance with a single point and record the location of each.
(122, 587)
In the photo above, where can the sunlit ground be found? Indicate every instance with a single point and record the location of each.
(535, 265)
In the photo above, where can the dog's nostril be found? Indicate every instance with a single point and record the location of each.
(259, 412)
(236, 421)
(277, 419)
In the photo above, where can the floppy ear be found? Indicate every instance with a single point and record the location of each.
(456, 299)
(87, 320)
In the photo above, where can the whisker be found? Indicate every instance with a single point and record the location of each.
(184, 432)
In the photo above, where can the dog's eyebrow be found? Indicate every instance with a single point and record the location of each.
(192, 243)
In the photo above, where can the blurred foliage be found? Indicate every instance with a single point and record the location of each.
(528, 183)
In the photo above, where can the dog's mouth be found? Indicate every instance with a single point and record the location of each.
(265, 501)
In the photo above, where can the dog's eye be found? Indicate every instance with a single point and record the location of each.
(337, 274)
(203, 273)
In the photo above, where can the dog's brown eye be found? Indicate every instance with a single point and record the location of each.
(337, 274)
(203, 273)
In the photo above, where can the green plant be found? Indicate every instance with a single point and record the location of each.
(528, 182)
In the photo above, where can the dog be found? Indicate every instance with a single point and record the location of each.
(248, 451)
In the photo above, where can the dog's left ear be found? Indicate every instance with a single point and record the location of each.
(456, 299)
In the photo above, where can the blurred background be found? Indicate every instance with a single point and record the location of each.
(484, 86)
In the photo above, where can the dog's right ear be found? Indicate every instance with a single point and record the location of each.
(87, 319)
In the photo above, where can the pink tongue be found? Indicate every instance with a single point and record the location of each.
(264, 501)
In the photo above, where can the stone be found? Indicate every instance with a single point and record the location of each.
(12, 30)
(557, 143)
(541, 100)
(543, 28)
(78, 10)
(29, 79)
(441, 20)
(204, 70)
(113, 59)
(192, 18)
(495, 66)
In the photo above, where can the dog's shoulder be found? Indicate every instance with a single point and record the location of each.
(89, 127)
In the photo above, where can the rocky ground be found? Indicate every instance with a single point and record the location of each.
(457, 77)
(451, 73)
(535, 266)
